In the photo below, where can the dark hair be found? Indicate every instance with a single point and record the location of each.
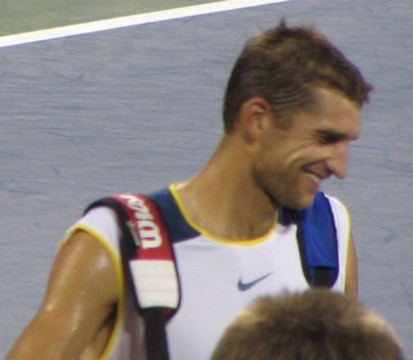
(312, 325)
(284, 65)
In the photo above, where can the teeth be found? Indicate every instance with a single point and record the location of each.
(314, 178)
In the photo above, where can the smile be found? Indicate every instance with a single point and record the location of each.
(314, 178)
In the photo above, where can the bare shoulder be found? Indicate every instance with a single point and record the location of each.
(351, 286)
(84, 264)
(78, 304)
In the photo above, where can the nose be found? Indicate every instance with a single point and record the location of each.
(337, 162)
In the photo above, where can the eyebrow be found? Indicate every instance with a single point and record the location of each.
(331, 135)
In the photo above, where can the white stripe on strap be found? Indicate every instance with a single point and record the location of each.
(156, 282)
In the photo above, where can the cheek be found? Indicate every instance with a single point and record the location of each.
(288, 157)
(306, 155)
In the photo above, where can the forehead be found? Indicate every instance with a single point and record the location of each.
(333, 113)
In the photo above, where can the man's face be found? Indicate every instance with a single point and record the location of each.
(293, 160)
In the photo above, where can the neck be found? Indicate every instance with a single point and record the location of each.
(224, 200)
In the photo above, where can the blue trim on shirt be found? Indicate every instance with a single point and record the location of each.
(320, 235)
(178, 228)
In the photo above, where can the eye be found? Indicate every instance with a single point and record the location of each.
(329, 137)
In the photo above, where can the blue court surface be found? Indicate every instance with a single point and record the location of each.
(137, 107)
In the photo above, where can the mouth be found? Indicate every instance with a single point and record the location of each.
(314, 178)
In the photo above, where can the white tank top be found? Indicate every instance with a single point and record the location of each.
(218, 278)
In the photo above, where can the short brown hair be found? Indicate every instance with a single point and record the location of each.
(317, 324)
(283, 65)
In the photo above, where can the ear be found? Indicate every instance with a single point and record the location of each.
(255, 117)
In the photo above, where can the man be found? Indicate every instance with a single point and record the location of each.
(291, 108)
(315, 324)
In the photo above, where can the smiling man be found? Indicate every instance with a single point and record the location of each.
(294, 158)
(251, 222)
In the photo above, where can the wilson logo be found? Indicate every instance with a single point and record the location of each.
(146, 228)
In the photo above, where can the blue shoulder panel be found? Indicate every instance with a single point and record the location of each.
(178, 228)
(319, 234)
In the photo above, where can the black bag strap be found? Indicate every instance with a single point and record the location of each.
(149, 266)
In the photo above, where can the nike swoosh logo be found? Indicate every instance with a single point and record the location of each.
(244, 286)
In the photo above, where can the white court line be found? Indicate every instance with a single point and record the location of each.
(125, 21)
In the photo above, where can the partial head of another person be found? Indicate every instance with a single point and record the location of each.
(310, 325)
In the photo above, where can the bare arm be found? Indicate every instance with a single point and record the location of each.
(351, 286)
(79, 299)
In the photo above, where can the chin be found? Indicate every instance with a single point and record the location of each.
(301, 203)
(309, 201)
